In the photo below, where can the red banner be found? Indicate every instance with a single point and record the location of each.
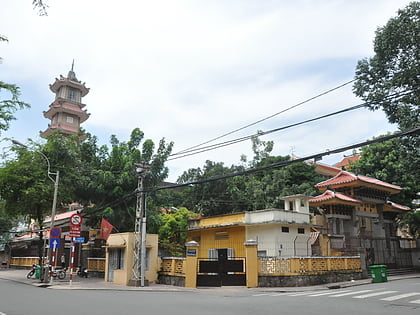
(106, 229)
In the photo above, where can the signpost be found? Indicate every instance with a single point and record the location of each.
(75, 229)
(54, 242)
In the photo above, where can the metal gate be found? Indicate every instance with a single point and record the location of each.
(221, 270)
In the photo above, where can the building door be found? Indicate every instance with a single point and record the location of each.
(115, 261)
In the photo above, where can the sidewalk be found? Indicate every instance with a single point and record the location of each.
(19, 275)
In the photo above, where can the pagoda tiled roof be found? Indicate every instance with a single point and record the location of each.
(329, 195)
(345, 177)
(397, 206)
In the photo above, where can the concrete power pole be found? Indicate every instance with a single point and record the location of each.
(140, 229)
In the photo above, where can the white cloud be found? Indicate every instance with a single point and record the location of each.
(192, 70)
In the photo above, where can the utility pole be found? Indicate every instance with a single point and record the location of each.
(140, 228)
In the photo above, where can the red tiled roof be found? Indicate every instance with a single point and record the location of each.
(328, 195)
(346, 177)
(347, 160)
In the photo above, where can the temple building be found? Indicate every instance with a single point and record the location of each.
(355, 216)
(66, 112)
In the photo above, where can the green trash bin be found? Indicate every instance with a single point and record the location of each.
(37, 272)
(379, 273)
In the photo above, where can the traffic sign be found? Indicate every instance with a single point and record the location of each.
(79, 239)
(55, 232)
(76, 219)
(54, 243)
(75, 231)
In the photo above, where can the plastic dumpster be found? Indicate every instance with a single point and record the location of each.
(37, 271)
(379, 273)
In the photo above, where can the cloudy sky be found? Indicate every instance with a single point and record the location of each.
(192, 70)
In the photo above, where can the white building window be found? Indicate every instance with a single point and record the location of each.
(70, 119)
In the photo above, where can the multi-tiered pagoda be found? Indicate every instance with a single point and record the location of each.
(66, 112)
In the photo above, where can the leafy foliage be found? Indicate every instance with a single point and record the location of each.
(411, 223)
(392, 162)
(261, 190)
(172, 231)
(394, 68)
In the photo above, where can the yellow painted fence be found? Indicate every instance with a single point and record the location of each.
(277, 266)
(173, 266)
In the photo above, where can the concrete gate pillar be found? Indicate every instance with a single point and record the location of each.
(191, 264)
(251, 263)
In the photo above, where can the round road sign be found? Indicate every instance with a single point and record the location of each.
(55, 232)
(76, 219)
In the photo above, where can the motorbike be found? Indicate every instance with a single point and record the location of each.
(32, 271)
(82, 272)
(58, 273)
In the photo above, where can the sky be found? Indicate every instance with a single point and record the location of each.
(192, 70)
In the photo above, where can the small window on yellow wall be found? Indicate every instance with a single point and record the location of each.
(221, 235)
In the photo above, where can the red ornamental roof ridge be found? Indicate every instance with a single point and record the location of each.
(62, 216)
(397, 206)
(347, 177)
(328, 195)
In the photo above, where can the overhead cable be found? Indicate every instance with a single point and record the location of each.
(266, 118)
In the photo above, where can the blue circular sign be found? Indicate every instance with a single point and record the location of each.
(55, 232)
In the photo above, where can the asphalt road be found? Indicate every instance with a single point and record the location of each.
(396, 297)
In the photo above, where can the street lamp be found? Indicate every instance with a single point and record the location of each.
(55, 181)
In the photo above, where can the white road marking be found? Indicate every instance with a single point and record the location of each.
(350, 293)
(401, 296)
(302, 293)
(329, 293)
(416, 302)
(373, 294)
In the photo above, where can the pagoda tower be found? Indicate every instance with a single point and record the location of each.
(66, 112)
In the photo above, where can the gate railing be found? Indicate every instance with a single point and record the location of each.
(285, 266)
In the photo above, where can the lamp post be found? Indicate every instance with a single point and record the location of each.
(55, 181)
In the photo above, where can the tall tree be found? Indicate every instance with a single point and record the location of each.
(256, 191)
(394, 68)
(390, 81)
(112, 180)
(389, 161)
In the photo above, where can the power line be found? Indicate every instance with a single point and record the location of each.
(266, 118)
(285, 163)
(187, 153)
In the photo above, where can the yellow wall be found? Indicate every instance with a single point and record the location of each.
(126, 241)
(207, 239)
(222, 219)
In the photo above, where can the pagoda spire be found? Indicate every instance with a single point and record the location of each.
(72, 76)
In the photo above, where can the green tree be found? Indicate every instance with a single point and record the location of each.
(111, 179)
(392, 162)
(411, 223)
(394, 68)
(25, 186)
(172, 231)
(10, 105)
(260, 190)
